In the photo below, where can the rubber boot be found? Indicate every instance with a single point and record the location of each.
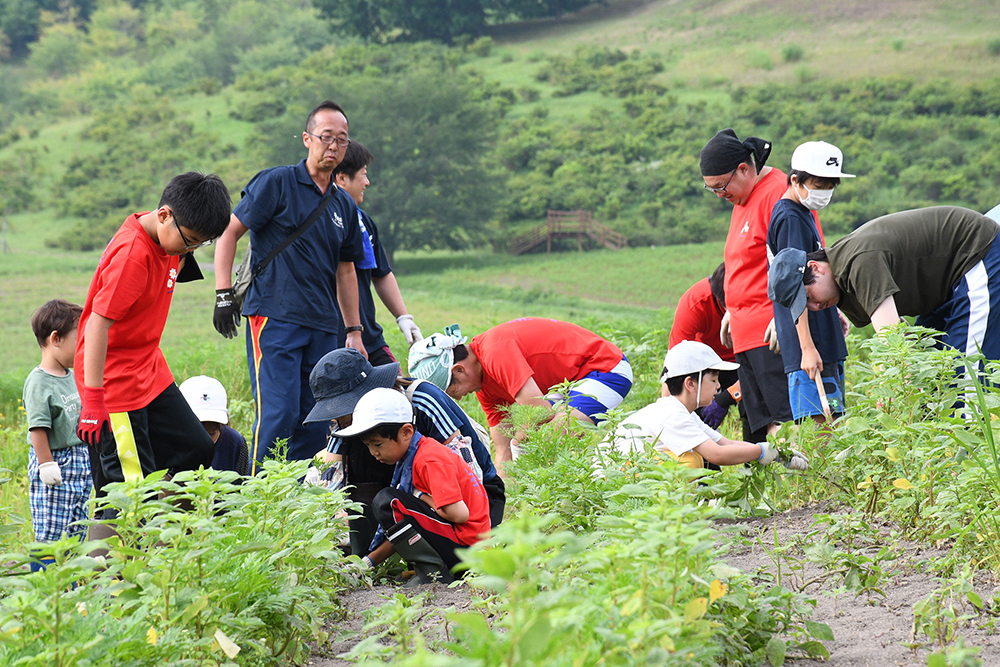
(413, 548)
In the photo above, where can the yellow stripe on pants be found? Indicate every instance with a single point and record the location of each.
(128, 456)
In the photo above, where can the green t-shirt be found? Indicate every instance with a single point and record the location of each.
(53, 403)
(915, 256)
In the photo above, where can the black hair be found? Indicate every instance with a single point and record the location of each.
(675, 385)
(389, 431)
(325, 105)
(461, 353)
(717, 283)
(199, 202)
(356, 158)
(808, 278)
(801, 176)
(56, 315)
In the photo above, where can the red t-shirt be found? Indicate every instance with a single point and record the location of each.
(133, 285)
(549, 351)
(698, 317)
(750, 310)
(442, 473)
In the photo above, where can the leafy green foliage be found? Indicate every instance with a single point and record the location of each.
(144, 147)
(202, 568)
(428, 124)
(441, 20)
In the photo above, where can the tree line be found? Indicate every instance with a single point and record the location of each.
(460, 160)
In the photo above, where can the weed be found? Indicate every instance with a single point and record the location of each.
(792, 53)
(248, 568)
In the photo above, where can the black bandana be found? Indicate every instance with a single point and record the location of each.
(724, 152)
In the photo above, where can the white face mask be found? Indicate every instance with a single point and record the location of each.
(816, 199)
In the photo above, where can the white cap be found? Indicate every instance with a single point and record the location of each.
(691, 356)
(207, 398)
(818, 158)
(381, 405)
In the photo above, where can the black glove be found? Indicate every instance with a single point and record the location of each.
(227, 313)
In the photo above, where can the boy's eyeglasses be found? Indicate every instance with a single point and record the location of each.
(327, 139)
(187, 244)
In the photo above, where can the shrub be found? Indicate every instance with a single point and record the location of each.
(792, 53)
(993, 46)
(482, 46)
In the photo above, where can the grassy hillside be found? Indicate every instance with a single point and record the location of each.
(742, 41)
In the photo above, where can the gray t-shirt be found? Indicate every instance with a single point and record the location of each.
(915, 256)
(53, 403)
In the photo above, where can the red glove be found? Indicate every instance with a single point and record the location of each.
(94, 417)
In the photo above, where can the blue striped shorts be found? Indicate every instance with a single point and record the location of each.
(597, 392)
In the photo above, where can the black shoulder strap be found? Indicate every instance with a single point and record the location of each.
(299, 231)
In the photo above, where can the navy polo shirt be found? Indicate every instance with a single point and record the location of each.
(794, 226)
(300, 285)
(372, 336)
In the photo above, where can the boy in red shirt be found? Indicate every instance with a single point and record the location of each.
(133, 417)
(435, 504)
(520, 362)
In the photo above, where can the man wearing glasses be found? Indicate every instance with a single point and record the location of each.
(291, 305)
(735, 171)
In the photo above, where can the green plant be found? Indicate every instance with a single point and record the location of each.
(993, 47)
(201, 569)
(792, 53)
(942, 613)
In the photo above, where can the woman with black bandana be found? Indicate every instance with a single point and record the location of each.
(735, 171)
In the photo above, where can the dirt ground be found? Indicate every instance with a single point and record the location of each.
(869, 630)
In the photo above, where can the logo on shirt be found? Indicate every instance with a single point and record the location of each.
(746, 228)
(337, 220)
(171, 279)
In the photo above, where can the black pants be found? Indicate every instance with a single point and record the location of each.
(393, 506)
(166, 436)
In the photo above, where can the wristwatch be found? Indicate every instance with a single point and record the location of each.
(358, 328)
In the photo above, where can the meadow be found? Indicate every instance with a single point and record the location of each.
(629, 568)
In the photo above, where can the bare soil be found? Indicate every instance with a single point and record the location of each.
(870, 630)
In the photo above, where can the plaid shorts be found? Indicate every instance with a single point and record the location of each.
(56, 510)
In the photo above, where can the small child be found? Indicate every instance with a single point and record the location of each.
(58, 463)
(691, 376)
(435, 505)
(210, 404)
(133, 417)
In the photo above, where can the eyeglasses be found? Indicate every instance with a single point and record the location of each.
(187, 244)
(723, 188)
(327, 139)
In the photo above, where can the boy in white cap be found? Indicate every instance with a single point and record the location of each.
(811, 347)
(435, 505)
(670, 425)
(210, 404)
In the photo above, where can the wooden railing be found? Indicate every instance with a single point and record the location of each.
(568, 224)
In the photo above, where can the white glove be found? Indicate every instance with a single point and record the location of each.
(771, 337)
(724, 334)
(50, 474)
(409, 328)
(767, 454)
(312, 476)
(797, 462)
